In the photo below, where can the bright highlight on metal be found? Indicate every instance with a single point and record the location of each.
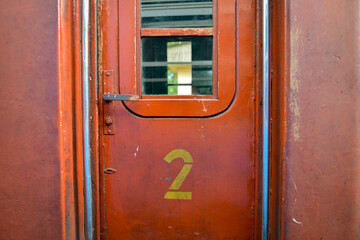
(265, 118)
(86, 117)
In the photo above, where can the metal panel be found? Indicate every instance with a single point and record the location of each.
(137, 199)
(321, 148)
(29, 139)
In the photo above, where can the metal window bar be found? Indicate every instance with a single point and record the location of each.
(147, 80)
(265, 203)
(86, 121)
(164, 64)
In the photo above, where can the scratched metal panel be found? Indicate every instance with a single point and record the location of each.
(322, 174)
(29, 162)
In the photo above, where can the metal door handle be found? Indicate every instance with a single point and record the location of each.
(120, 97)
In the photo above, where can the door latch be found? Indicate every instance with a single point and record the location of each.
(109, 97)
(120, 97)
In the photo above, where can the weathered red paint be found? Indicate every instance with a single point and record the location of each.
(222, 179)
(322, 133)
(200, 106)
(29, 139)
(70, 119)
(177, 32)
(315, 82)
(316, 113)
(66, 118)
(279, 75)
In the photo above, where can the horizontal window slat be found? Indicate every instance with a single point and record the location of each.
(177, 24)
(164, 64)
(147, 80)
(168, 12)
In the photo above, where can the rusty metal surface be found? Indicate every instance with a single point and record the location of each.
(70, 119)
(321, 151)
(109, 107)
(29, 154)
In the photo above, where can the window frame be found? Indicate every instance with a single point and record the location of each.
(224, 63)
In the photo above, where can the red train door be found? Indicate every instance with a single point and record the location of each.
(178, 112)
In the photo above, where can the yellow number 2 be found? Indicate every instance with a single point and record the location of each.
(188, 160)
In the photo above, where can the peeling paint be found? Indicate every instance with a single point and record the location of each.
(204, 107)
(201, 131)
(294, 84)
(137, 150)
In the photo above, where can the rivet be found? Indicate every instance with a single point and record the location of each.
(108, 121)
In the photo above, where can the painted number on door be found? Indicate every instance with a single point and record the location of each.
(188, 160)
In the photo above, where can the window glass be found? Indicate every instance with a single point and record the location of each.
(177, 65)
(176, 13)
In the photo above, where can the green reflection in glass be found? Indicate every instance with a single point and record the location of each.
(178, 53)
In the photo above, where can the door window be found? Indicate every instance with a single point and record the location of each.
(176, 14)
(177, 66)
(183, 65)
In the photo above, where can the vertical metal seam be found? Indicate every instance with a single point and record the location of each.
(266, 89)
(86, 120)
